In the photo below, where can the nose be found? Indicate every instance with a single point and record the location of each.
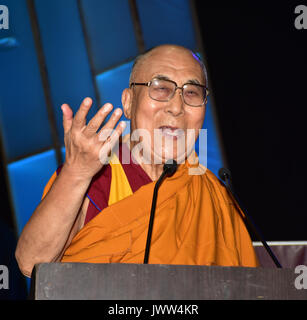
(175, 106)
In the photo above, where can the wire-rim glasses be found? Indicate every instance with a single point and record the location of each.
(193, 94)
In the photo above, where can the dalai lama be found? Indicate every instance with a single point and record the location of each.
(96, 206)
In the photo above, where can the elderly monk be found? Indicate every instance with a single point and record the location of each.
(97, 210)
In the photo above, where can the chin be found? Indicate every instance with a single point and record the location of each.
(177, 149)
(165, 155)
(163, 148)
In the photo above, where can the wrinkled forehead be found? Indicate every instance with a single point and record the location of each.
(172, 58)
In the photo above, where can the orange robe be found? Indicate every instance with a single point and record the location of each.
(196, 223)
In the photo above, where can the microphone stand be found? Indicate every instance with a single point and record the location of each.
(168, 169)
(225, 176)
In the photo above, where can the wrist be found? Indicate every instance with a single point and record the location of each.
(75, 175)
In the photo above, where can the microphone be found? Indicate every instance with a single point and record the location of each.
(225, 175)
(169, 169)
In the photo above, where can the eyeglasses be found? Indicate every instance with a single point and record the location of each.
(193, 94)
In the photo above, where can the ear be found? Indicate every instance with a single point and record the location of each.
(127, 102)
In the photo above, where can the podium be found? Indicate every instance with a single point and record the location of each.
(85, 281)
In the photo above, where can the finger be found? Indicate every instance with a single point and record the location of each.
(67, 117)
(79, 120)
(104, 153)
(97, 120)
(117, 133)
(107, 134)
(108, 128)
(113, 119)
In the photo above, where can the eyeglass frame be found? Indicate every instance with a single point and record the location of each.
(148, 84)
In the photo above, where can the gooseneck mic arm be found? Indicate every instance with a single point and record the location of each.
(169, 169)
(225, 175)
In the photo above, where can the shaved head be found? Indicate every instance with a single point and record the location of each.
(141, 60)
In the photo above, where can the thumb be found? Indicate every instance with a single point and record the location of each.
(67, 117)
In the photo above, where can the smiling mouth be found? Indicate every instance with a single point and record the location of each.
(173, 132)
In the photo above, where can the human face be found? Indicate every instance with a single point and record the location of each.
(168, 124)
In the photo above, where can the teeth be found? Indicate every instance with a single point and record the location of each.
(172, 132)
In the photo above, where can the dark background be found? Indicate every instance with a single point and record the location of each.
(257, 61)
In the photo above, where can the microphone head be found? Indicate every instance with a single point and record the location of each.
(224, 173)
(170, 167)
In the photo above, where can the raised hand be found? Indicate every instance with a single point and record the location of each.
(86, 149)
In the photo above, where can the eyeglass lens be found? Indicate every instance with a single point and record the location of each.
(163, 90)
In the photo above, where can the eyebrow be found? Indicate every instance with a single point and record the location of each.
(163, 77)
(193, 81)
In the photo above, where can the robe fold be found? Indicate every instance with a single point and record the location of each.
(196, 223)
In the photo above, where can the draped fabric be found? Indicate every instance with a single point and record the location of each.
(196, 223)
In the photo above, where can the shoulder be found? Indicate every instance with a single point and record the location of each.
(209, 177)
(215, 186)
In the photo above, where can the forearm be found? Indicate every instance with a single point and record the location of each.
(47, 231)
(56, 219)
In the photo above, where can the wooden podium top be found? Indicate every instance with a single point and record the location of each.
(65, 281)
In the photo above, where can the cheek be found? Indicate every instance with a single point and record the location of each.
(194, 122)
(195, 119)
(146, 114)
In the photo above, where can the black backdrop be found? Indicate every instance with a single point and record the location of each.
(257, 61)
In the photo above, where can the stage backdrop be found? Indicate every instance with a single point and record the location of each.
(57, 52)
